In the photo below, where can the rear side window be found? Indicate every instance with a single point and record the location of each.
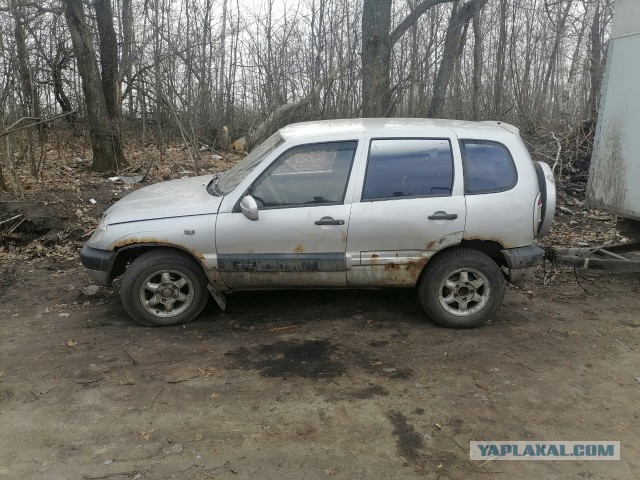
(402, 168)
(488, 167)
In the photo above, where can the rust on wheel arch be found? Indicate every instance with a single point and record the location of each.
(135, 242)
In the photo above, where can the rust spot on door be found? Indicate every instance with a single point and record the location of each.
(299, 249)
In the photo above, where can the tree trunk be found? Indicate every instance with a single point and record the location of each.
(477, 64)
(30, 100)
(553, 59)
(3, 184)
(498, 85)
(460, 17)
(377, 42)
(105, 138)
(575, 58)
(108, 56)
(58, 64)
(220, 106)
(275, 119)
(127, 56)
(376, 57)
(595, 64)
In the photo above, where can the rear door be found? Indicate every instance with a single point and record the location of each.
(411, 205)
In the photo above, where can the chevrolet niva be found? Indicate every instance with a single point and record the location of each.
(449, 207)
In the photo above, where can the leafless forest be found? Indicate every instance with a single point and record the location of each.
(114, 73)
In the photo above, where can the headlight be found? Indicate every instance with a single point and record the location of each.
(101, 229)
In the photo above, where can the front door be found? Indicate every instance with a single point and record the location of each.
(412, 205)
(300, 236)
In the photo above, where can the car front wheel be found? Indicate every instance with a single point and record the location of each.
(461, 288)
(163, 288)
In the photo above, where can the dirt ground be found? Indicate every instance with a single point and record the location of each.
(313, 385)
(298, 385)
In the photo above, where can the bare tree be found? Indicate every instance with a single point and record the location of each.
(460, 18)
(105, 136)
(30, 98)
(498, 80)
(477, 62)
(183, 69)
(376, 57)
(377, 41)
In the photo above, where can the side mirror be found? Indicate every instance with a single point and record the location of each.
(249, 207)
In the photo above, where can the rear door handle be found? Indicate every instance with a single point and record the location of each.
(329, 221)
(443, 216)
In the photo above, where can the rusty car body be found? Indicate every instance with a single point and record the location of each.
(360, 203)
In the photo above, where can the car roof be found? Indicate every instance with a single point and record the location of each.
(382, 126)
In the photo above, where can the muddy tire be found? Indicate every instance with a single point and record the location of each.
(162, 288)
(461, 288)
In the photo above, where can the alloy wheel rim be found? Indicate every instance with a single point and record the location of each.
(166, 293)
(464, 292)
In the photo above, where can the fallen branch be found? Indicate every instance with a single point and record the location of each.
(132, 169)
(450, 438)
(24, 127)
(12, 218)
(146, 172)
(134, 361)
(71, 175)
(86, 382)
(115, 474)
(259, 133)
(279, 329)
(15, 227)
(180, 380)
(223, 156)
(157, 396)
(628, 348)
(42, 394)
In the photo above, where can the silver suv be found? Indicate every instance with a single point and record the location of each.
(449, 207)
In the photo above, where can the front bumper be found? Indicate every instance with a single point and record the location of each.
(522, 262)
(98, 264)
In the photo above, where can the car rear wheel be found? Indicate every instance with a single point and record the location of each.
(461, 288)
(163, 288)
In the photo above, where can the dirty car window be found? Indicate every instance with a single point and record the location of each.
(312, 174)
(489, 167)
(405, 167)
(232, 177)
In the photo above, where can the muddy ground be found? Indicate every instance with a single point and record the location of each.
(312, 385)
(298, 385)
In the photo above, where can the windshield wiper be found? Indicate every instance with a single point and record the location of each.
(216, 179)
(212, 186)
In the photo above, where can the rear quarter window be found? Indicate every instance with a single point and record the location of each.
(488, 167)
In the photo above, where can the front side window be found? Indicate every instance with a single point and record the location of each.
(488, 166)
(232, 177)
(402, 168)
(307, 175)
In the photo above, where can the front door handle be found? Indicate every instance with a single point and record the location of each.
(443, 216)
(329, 221)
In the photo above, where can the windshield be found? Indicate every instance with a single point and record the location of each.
(232, 177)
